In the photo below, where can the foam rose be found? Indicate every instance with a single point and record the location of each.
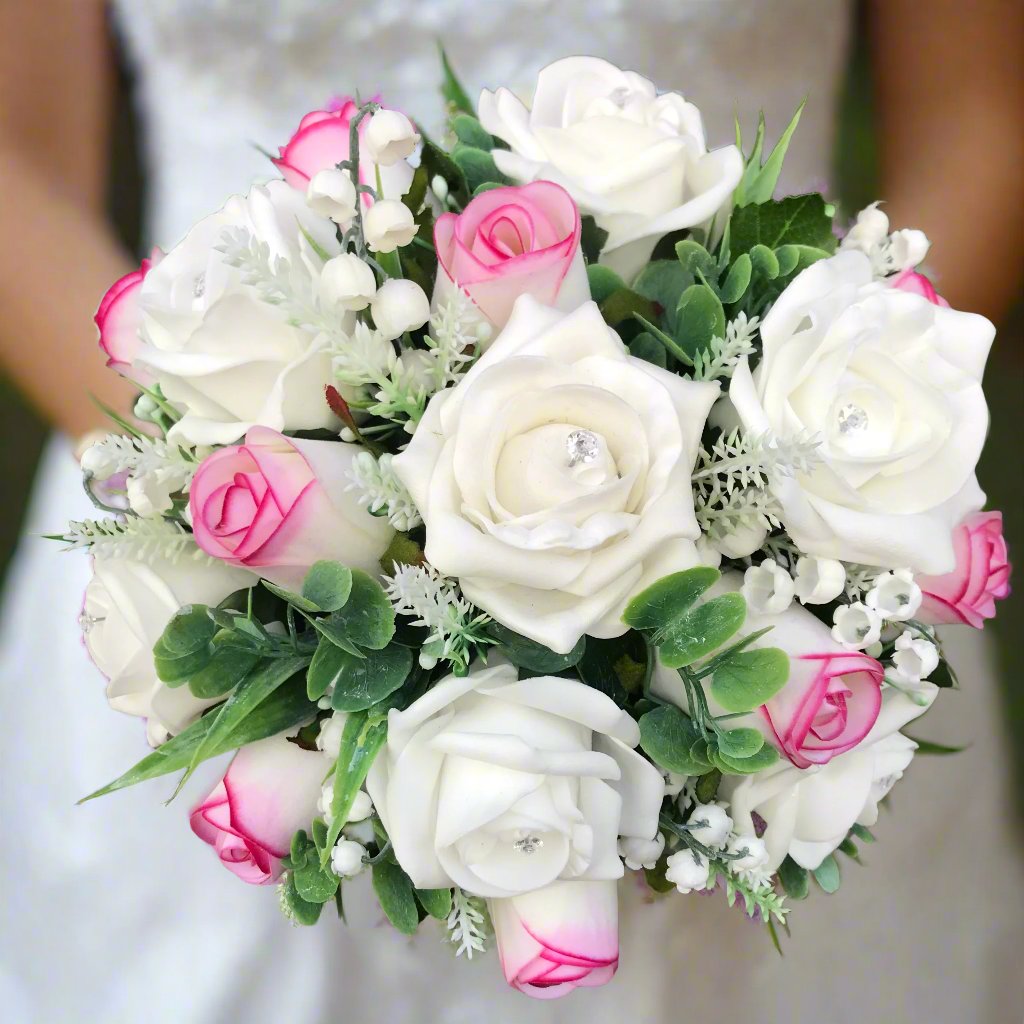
(118, 319)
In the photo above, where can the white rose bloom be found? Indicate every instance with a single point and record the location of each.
(389, 137)
(892, 385)
(767, 588)
(809, 811)
(224, 356)
(819, 580)
(636, 161)
(502, 786)
(348, 282)
(332, 194)
(127, 605)
(388, 225)
(554, 479)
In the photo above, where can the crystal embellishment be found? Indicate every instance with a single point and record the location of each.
(87, 621)
(582, 446)
(852, 418)
(528, 844)
(199, 285)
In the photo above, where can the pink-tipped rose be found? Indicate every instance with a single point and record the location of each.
(321, 141)
(911, 281)
(558, 938)
(509, 242)
(276, 505)
(969, 593)
(269, 791)
(118, 318)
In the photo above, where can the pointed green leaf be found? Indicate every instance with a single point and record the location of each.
(529, 654)
(672, 347)
(436, 902)
(395, 892)
(750, 678)
(670, 597)
(794, 879)
(291, 597)
(826, 874)
(701, 631)
(451, 88)
(471, 132)
(761, 187)
(930, 747)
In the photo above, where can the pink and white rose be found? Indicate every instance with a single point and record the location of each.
(118, 319)
(969, 593)
(559, 938)
(269, 791)
(276, 505)
(509, 242)
(917, 284)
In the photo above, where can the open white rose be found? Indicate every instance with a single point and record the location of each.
(633, 159)
(226, 357)
(809, 811)
(554, 479)
(502, 786)
(891, 384)
(127, 605)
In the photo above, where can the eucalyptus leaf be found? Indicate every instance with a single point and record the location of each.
(826, 874)
(291, 597)
(367, 619)
(737, 280)
(603, 282)
(657, 607)
(699, 318)
(695, 259)
(740, 743)
(470, 131)
(360, 683)
(223, 672)
(477, 165)
(701, 630)
(666, 735)
(300, 910)
(395, 892)
(529, 654)
(436, 902)
(663, 281)
(327, 585)
(750, 678)
(646, 347)
(764, 758)
(764, 263)
(623, 304)
(314, 883)
(794, 879)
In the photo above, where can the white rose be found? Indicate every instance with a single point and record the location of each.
(809, 811)
(502, 786)
(633, 159)
(891, 384)
(222, 354)
(127, 605)
(554, 479)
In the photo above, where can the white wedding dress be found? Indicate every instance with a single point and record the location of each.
(114, 912)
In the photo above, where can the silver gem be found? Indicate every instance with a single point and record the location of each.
(87, 621)
(528, 844)
(199, 285)
(582, 446)
(852, 418)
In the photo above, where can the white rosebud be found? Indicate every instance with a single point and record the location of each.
(97, 462)
(347, 858)
(148, 495)
(742, 541)
(819, 580)
(754, 857)
(389, 137)
(915, 658)
(329, 738)
(399, 306)
(767, 588)
(688, 871)
(895, 595)
(718, 824)
(348, 282)
(856, 626)
(674, 783)
(388, 225)
(331, 194)
(641, 853)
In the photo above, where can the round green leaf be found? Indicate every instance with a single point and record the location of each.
(224, 671)
(701, 630)
(794, 879)
(764, 758)
(657, 607)
(327, 585)
(666, 736)
(189, 630)
(366, 620)
(740, 743)
(699, 318)
(750, 678)
(359, 683)
(300, 910)
(603, 282)
(737, 280)
(315, 884)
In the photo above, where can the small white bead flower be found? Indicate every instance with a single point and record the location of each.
(362, 806)
(754, 862)
(329, 738)
(348, 282)
(347, 858)
(390, 137)
(767, 588)
(856, 626)
(331, 194)
(914, 660)
(388, 225)
(717, 829)
(895, 595)
(323, 805)
(641, 853)
(674, 783)
(688, 871)
(819, 580)
(399, 306)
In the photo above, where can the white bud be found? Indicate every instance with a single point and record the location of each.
(895, 595)
(717, 827)
(348, 282)
(641, 853)
(347, 434)
(754, 853)
(819, 580)
(388, 225)
(674, 783)
(742, 541)
(347, 858)
(439, 187)
(856, 626)
(329, 738)
(767, 588)
(148, 495)
(323, 805)
(399, 306)
(915, 658)
(362, 806)
(96, 461)
(145, 407)
(389, 137)
(688, 871)
(331, 194)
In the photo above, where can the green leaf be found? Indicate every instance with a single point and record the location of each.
(603, 282)
(740, 743)
(707, 786)
(796, 220)
(827, 874)
(663, 281)
(930, 747)
(314, 883)
(597, 667)
(451, 88)
(694, 259)
(646, 347)
(764, 263)
(470, 131)
(702, 630)
(623, 304)
(184, 646)
(436, 902)
(327, 585)
(758, 184)
(529, 654)
(699, 318)
(764, 758)
(737, 280)
(359, 683)
(224, 671)
(592, 239)
(367, 620)
(794, 258)
(671, 346)
(794, 879)
(666, 736)
(439, 163)
(655, 876)
(944, 676)
(283, 710)
(395, 892)
(657, 607)
(477, 165)
(862, 833)
(297, 908)
(291, 597)
(750, 678)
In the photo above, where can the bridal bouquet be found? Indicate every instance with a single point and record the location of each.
(548, 505)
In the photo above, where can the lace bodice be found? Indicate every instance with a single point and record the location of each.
(218, 78)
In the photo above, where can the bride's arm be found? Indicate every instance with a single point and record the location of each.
(57, 254)
(949, 98)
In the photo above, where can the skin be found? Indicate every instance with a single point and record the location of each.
(949, 98)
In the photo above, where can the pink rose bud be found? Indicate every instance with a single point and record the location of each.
(911, 281)
(276, 505)
(969, 593)
(269, 791)
(118, 319)
(558, 938)
(508, 242)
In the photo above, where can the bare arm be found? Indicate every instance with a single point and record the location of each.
(57, 255)
(949, 97)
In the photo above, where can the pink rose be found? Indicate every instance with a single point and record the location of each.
(276, 505)
(558, 938)
(969, 593)
(508, 242)
(269, 791)
(118, 319)
(321, 141)
(911, 281)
